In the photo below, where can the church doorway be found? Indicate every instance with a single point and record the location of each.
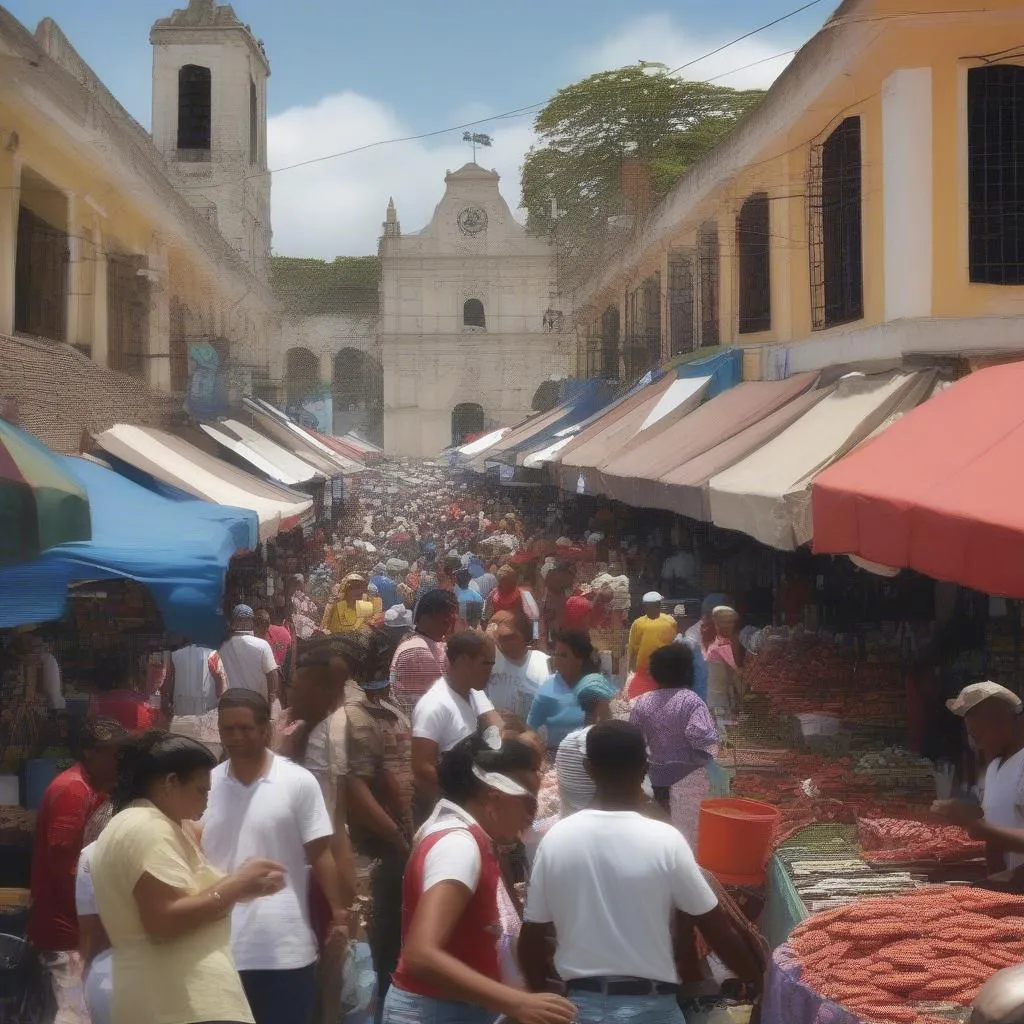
(467, 422)
(358, 391)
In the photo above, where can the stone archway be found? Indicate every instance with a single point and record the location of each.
(358, 391)
(301, 375)
(467, 421)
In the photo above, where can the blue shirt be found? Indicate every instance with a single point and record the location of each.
(555, 708)
(700, 666)
(386, 590)
(467, 597)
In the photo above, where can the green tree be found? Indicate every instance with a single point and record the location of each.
(586, 131)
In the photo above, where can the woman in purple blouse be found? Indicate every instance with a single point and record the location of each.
(681, 736)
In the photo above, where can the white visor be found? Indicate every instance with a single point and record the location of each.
(502, 783)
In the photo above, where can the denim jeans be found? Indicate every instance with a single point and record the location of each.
(407, 1008)
(598, 1008)
(281, 997)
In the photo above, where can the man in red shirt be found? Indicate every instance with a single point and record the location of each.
(420, 661)
(68, 804)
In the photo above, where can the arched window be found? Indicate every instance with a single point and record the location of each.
(467, 422)
(254, 125)
(995, 171)
(754, 250)
(195, 107)
(473, 314)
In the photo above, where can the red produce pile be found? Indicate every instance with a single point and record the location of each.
(834, 793)
(884, 958)
(820, 677)
(892, 840)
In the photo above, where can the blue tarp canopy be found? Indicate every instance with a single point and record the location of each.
(179, 550)
(724, 368)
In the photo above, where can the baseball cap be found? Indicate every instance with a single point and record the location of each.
(971, 696)
(653, 597)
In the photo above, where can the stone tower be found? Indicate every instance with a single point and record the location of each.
(210, 121)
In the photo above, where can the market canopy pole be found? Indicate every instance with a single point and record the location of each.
(940, 491)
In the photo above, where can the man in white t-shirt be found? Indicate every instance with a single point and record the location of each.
(248, 660)
(265, 806)
(995, 724)
(452, 709)
(609, 881)
(518, 669)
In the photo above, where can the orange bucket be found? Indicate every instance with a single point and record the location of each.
(735, 839)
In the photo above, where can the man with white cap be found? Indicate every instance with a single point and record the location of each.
(652, 630)
(992, 714)
(248, 660)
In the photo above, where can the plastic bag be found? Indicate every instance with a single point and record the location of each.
(359, 986)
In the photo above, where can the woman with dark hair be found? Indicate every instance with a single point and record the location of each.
(555, 708)
(681, 737)
(165, 910)
(450, 970)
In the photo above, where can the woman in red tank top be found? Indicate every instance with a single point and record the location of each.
(449, 970)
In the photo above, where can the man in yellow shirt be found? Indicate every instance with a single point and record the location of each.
(654, 629)
(350, 611)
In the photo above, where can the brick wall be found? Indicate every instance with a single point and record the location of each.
(56, 393)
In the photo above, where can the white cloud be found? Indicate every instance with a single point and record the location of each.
(336, 207)
(658, 38)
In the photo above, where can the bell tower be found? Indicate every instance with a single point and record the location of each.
(210, 121)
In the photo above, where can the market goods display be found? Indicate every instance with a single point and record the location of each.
(903, 959)
(894, 841)
(808, 674)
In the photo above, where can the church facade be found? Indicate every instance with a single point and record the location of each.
(468, 326)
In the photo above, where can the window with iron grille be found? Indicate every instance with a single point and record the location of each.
(652, 317)
(610, 342)
(680, 302)
(995, 173)
(707, 268)
(42, 260)
(835, 230)
(254, 125)
(754, 251)
(195, 108)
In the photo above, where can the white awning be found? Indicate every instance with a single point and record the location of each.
(285, 466)
(537, 459)
(481, 444)
(176, 462)
(679, 391)
(767, 494)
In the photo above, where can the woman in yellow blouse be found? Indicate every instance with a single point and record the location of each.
(348, 611)
(166, 911)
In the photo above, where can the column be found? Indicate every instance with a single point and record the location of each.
(10, 196)
(327, 367)
(907, 173)
(158, 342)
(78, 328)
(100, 353)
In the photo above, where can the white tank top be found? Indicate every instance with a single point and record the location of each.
(1004, 800)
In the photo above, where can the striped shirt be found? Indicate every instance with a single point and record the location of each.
(576, 789)
(418, 663)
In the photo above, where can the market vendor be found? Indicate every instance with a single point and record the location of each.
(992, 714)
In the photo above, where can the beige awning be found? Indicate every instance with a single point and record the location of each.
(767, 495)
(176, 462)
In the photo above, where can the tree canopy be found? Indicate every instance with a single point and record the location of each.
(588, 129)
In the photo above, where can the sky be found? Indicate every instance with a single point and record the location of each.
(346, 75)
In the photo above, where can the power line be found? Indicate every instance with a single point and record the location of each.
(520, 111)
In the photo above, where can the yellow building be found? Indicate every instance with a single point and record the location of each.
(872, 207)
(106, 240)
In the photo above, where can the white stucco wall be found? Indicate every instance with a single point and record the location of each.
(432, 362)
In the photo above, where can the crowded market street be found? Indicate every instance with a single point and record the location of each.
(524, 540)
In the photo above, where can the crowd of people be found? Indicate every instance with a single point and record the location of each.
(519, 768)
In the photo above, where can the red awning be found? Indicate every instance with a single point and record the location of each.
(940, 491)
